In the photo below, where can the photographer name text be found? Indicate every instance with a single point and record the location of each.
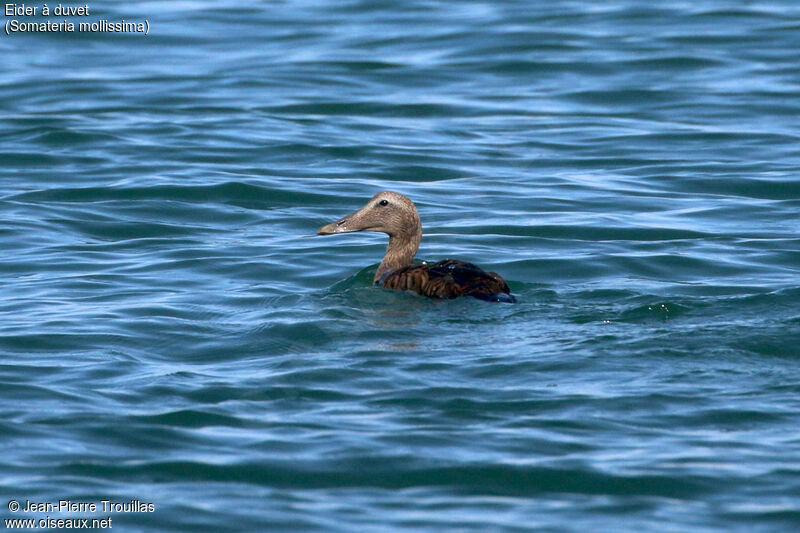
(69, 506)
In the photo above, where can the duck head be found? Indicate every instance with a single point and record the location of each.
(387, 212)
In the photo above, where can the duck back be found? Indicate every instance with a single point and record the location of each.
(449, 278)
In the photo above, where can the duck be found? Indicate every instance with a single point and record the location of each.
(396, 215)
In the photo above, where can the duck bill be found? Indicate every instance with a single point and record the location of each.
(343, 225)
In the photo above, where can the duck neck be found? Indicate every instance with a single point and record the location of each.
(400, 252)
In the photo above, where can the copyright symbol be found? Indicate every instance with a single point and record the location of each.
(13, 506)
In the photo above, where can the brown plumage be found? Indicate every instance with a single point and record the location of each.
(394, 214)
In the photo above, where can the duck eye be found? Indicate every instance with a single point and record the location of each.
(384, 202)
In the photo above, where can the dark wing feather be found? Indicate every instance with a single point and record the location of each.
(450, 278)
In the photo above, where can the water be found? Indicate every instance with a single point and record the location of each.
(173, 332)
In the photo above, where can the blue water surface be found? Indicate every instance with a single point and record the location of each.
(173, 332)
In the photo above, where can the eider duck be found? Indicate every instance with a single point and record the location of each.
(394, 214)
